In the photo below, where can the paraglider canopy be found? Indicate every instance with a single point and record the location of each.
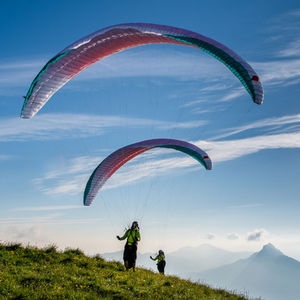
(92, 48)
(118, 158)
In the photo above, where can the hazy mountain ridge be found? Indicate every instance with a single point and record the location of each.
(268, 273)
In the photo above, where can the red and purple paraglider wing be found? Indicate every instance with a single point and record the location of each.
(118, 158)
(92, 48)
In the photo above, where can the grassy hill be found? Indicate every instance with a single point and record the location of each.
(31, 273)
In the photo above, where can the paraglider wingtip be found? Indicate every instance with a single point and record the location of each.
(258, 102)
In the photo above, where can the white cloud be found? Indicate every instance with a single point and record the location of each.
(292, 49)
(5, 157)
(77, 165)
(60, 126)
(46, 208)
(275, 122)
(200, 111)
(184, 125)
(235, 93)
(23, 233)
(141, 167)
(210, 236)
(18, 73)
(286, 28)
(232, 149)
(250, 205)
(278, 72)
(194, 102)
(31, 220)
(137, 170)
(53, 219)
(256, 235)
(233, 236)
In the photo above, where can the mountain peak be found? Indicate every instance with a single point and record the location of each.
(269, 250)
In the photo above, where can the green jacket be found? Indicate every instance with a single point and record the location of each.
(159, 258)
(132, 236)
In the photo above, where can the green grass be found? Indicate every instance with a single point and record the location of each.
(32, 273)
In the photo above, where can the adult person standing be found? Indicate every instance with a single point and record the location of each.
(133, 237)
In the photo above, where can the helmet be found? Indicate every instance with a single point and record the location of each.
(135, 224)
(161, 252)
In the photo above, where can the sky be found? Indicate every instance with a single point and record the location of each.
(250, 198)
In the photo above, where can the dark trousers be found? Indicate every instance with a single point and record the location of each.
(130, 255)
(161, 266)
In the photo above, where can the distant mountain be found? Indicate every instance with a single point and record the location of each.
(196, 259)
(187, 260)
(268, 273)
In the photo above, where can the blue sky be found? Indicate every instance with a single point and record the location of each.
(251, 196)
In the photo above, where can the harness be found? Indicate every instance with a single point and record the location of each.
(130, 234)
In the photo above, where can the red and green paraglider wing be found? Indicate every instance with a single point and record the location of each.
(118, 158)
(92, 48)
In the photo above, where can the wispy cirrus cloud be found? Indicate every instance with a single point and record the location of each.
(274, 73)
(5, 157)
(155, 165)
(214, 97)
(136, 170)
(61, 126)
(231, 149)
(47, 208)
(31, 220)
(77, 165)
(250, 205)
(271, 124)
(69, 179)
(292, 49)
(279, 72)
(235, 93)
(54, 219)
(18, 72)
(285, 28)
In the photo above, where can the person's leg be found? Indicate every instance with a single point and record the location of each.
(126, 265)
(133, 257)
(159, 267)
(163, 267)
(125, 257)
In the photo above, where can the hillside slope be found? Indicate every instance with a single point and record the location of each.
(31, 273)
